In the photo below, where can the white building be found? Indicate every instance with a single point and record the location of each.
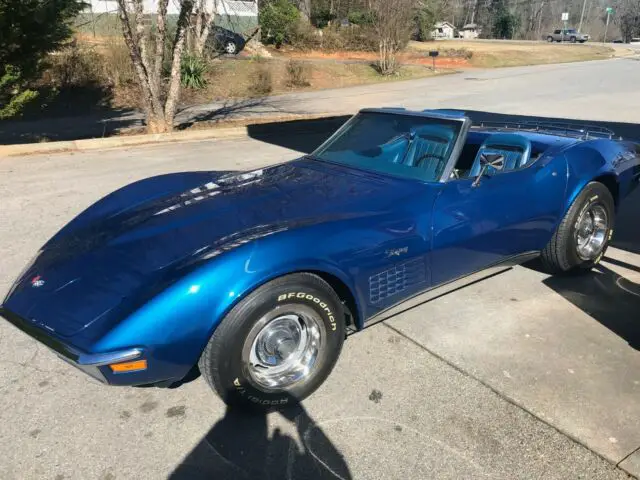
(219, 7)
(470, 31)
(443, 30)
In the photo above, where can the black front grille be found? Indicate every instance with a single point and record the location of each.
(39, 334)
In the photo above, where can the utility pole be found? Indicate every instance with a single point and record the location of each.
(609, 12)
(584, 4)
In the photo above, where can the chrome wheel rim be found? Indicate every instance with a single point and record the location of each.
(230, 47)
(591, 232)
(282, 348)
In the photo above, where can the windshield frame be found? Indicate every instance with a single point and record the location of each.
(465, 124)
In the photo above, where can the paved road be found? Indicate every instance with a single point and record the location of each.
(598, 90)
(517, 377)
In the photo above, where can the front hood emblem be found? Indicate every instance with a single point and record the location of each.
(37, 281)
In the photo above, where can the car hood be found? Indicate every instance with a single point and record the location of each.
(96, 273)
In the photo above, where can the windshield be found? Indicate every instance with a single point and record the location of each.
(392, 143)
(571, 31)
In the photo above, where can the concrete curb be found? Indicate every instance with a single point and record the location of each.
(121, 141)
(201, 132)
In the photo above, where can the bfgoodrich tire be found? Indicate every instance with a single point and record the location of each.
(277, 345)
(583, 236)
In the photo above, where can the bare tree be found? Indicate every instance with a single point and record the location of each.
(147, 50)
(203, 13)
(392, 22)
(628, 18)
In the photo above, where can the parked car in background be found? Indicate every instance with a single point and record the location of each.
(567, 35)
(223, 40)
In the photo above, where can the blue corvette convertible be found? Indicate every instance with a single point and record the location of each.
(256, 277)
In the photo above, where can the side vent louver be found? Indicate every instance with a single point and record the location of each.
(396, 279)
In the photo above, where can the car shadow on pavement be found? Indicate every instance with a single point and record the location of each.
(627, 230)
(240, 446)
(609, 298)
(301, 135)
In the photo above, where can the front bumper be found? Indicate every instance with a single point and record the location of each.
(95, 365)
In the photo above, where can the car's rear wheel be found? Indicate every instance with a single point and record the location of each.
(583, 236)
(277, 345)
(572, 39)
(230, 47)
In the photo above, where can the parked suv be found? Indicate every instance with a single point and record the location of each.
(567, 35)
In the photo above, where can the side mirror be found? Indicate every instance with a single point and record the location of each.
(493, 160)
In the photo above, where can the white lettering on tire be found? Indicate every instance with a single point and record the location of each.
(307, 296)
(241, 390)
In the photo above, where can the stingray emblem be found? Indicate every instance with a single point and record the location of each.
(396, 252)
(37, 281)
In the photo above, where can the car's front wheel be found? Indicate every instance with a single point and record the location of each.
(277, 345)
(583, 236)
(549, 39)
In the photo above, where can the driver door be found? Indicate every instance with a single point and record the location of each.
(507, 214)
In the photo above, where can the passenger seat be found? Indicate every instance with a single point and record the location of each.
(515, 148)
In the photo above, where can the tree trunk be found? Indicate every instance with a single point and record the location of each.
(161, 35)
(151, 102)
(474, 11)
(387, 61)
(149, 70)
(202, 34)
(198, 34)
(304, 6)
(173, 95)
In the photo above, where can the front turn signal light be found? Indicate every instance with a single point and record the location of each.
(126, 367)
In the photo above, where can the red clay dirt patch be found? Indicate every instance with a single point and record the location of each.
(406, 58)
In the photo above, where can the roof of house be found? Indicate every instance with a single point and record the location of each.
(442, 24)
(470, 26)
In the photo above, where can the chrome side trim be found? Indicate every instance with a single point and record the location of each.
(99, 359)
(449, 287)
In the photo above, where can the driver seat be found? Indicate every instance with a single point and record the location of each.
(429, 148)
(515, 148)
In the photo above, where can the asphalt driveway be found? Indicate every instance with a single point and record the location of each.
(521, 376)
